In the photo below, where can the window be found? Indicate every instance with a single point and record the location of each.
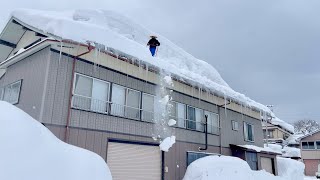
(192, 156)
(177, 111)
(235, 125)
(90, 94)
(1, 93)
(308, 145)
(125, 102)
(213, 122)
(318, 144)
(11, 92)
(248, 132)
(194, 118)
(147, 107)
(252, 160)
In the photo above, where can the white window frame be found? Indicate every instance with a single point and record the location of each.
(245, 131)
(233, 124)
(4, 91)
(82, 96)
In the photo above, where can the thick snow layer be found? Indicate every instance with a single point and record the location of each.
(294, 139)
(259, 149)
(120, 33)
(290, 169)
(224, 168)
(283, 124)
(30, 151)
(172, 122)
(285, 151)
(167, 143)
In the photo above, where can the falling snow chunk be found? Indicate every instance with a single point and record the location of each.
(172, 122)
(167, 143)
(168, 80)
(165, 100)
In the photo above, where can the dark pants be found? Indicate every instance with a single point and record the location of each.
(153, 50)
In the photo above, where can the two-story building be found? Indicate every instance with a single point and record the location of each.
(310, 152)
(275, 134)
(104, 99)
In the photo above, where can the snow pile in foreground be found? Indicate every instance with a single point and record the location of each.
(122, 34)
(224, 168)
(30, 151)
(290, 169)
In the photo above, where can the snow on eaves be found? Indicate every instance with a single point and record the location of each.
(120, 33)
(278, 122)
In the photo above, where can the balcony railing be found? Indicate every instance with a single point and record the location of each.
(105, 107)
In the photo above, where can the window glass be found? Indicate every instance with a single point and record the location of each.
(147, 107)
(311, 145)
(192, 156)
(199, 119)
(304, 145)
(191, 116)
(318, 144)
(213, 122)
(181, 115)
(252, 160)
(1, 93)
(235, 126)
(118, 100)
(133, 104)
(100, 95)
(83, 86)
(248, 132)
(172, 110)
(12, 92)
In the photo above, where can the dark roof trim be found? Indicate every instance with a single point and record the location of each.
(9, 44)
(232, 146)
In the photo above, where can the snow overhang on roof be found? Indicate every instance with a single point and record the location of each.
(119, 33)
(255, 149)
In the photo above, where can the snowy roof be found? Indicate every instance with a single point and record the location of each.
(283, 124)
(260, 149)
(122, 34)
(294, 139)
(285, 151)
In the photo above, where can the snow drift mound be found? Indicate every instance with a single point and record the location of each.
(224, 168)
(30, 151)
(290, 169)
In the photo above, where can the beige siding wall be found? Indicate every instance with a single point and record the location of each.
(314, 137)
(32, 71)
(27, 38)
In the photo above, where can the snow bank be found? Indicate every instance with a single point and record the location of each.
(167, 143)
(290, 169)
(224, 168)
(122, 34)
(30, 151)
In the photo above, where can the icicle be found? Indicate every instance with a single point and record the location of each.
(225, 105)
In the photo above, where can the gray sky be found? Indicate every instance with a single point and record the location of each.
(267, 50)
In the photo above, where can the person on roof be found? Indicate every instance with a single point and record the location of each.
(153, 43)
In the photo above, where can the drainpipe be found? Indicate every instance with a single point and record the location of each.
(90, 48)
(206, 134)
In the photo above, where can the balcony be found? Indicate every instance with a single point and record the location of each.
(119, 110)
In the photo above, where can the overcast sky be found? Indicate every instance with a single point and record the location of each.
(268, 50)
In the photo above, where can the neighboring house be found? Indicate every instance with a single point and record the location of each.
(108, 105)
(275, 134)
(310, 152)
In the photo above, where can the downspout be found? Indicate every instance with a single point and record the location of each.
(90, 48)
(206, 134)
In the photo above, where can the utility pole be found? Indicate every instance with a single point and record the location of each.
(266, 119)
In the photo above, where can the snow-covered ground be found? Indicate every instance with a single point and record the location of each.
(225, 168)
(309, 178)
(30, 151)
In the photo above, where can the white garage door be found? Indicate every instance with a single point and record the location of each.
(266, 164)
(134, 162)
